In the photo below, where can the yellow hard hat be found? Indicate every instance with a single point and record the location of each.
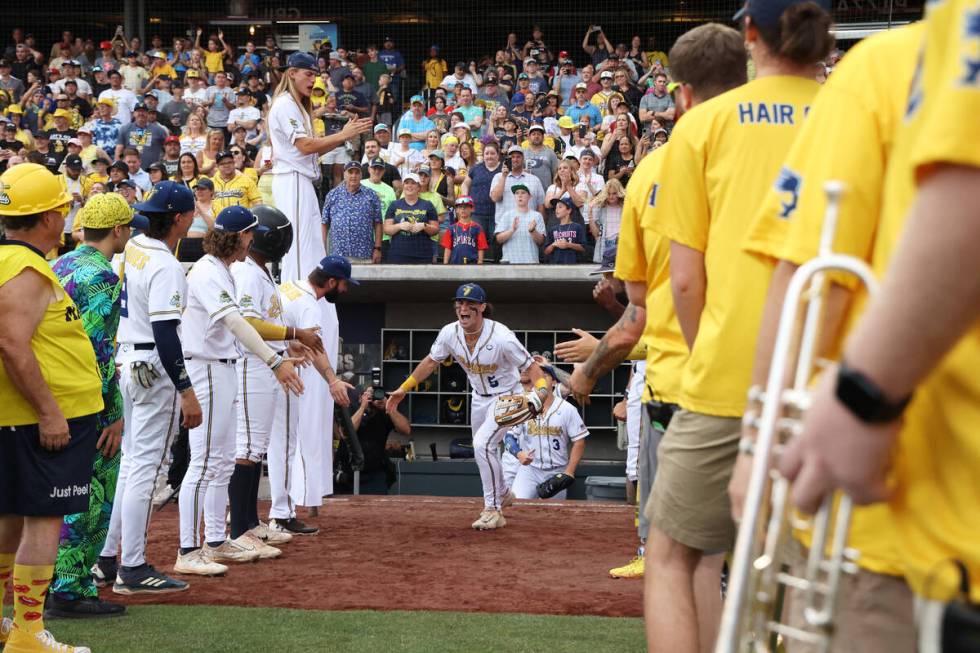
(29, 188)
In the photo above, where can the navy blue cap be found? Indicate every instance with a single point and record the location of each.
(337, 267)
(352, 165)
(139, 107)
(140, 222)
(235, 219)
(766, 13)
(567, 201)
(303, 61)
(608, 263)
(471, 292)
(168, 197)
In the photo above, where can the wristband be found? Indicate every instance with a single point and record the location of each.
(275, 362)
(408, 384)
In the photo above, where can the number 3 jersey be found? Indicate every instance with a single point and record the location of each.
(550, 434)
(494, 366)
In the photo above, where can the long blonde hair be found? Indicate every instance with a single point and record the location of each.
(287, 85)
(612, 185)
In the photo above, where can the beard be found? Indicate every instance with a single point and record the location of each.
(332, 296)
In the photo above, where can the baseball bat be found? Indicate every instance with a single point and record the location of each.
(353, 443)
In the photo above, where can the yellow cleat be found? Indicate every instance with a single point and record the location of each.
(40, 642)
(634, 569)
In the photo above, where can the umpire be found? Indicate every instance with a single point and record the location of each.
(52, 393)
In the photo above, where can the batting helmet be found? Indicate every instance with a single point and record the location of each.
(29, 188)
(275, 233)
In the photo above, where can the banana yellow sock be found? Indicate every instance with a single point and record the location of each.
(6, 568)
(30, 586)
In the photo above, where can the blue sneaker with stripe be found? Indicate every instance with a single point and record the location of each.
(146, 580)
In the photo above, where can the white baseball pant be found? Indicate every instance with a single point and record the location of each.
(634, 417)
(314, 445)
(259, 396)
(151, 418)
(511, 464)
(487, 436)
(295, 196)
(212, 444)
(527, 480)
(282, 450)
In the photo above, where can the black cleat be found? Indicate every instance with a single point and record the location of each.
(146, 580)
(104, 571)
(294, 526)
(90, 607)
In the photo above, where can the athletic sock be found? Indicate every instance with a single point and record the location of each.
(239, 489)
(6, 569)
(184, 550)
(253, 497)
(215, 545)
(30, 586)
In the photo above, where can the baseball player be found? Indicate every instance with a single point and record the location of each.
(260, 395)
(494, 361)
(634, 408)
(213, 327)
(295, 151)
(296, 463)
(549, 445)
(154, 382)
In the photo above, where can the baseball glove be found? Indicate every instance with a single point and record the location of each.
(554, 485)
(511, 410)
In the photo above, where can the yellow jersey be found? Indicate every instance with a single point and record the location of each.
(435, 70)
(643, 256)
(722, 159)
(935, 504)
(60, 344)
(214, 61)
(241, 190)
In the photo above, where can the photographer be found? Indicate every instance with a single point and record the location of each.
(536, 47)
(602, 48)
(373, 425)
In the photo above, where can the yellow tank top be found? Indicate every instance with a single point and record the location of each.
(60, 344)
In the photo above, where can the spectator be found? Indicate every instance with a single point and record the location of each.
(566, 239)
(364, 88)
(636, 55)
(105, 128)
(233, 187)
(659, 137)
(197, 92)
(98, 174)
(374, 68)
(435, 68)
(203, 209)
(332, 163)
(622, 85)
(352, 218)
(350, 100)
(540, 159)
(600, 50)
(417, 123)
(377, 169)
(131, 157)
(393, 61)
(219, 102)
(249, 62)
(536, 82)
(256, 88)
(506, 179)
(478, 183)
(657, 104)
(187, 170)
(336, 70)
(427, 193)
(157, 173)
(606, 212)
(520, 230)
(385, 100)
(452, 158)
(239, 142)
(214, 144)
(618, 116)
(536, 48)
(590, 182)
(123, 99)
(174, 114)
(60, 135)
(443, 183)
(171, 156)
(194, 138)
(583, 107)
(461, 74)
(133, 74)
(70, 72)
(411, 222)
(214, 56)
(128, 190)
(244, 115)
(565, 187)
(432, 143)
(100, 81)
(403, 156)
(471, 113)
(146, 137)
(621, 161)
(491, 93)
(601, 99)
(373, 425)
(8, 82)
(565, 81)
(118, 172)
(465, 241)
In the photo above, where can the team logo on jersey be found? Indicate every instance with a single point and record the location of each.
(224, 297)
(971, 76)
(4, 198)
(788, 182)
(175, 300)
(71, 313)
(246, 301)
(653, 195)
(294, 123)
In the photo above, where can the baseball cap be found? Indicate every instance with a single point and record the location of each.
(335, 56)
(84, 130)
(73, 161)
(380, 127)
(471, 292)
(102, 160)
(450, 139)
(517, 187)
(204, 182)
(156, 165)
(96, 69)
(44, 135)
(417, 98)
(404, 131)
(128, 183)
(61, 96)
(235, 219)
(567, 201)
(337, 267)
(589, 152)
(193, 74)
(464, 200)
(157, 54)
(168, 197)
(10, 127)
(437, 154)
(523, 76)
(108, 101)
(75, 142)
(15, 108)
(461, 125)
(535, 127)
(139, 107)
(222, 155)
(347, 75)
(376, 162)
(302, 60)
(515, 149)
(121, 165)
(105, 45)
(608, 263)
(581, 86)
(766, 13)
(606, 74)
(352, 165)
(425, 170)
(411, 177)
(62, 113)
(517, 99)
(171, 139)
(108, 210)
(566, 122)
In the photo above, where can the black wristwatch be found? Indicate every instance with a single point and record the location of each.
(865, 399)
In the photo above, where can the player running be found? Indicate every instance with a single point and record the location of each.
(494, 360)
(213, 327)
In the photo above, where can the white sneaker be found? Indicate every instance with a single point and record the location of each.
(248, 540)
(489, 520)
(43, 641)
(270, 536)
(6, 625)
(508, 500)
(162, 493)
(232, 552)
(199, 563)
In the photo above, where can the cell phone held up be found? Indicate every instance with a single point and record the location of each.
(378, 392)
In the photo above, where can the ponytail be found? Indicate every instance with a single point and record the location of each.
(802, 35)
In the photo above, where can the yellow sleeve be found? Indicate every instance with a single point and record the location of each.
(680, 199)
(252, 194)
(631, 264)
(638, 353)
(267, 330)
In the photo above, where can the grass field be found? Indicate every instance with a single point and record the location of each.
(213, 629)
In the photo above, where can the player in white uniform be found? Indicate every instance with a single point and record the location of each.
(154, 384)
(493, 360)
(213, 327)
(260, 395)
(634, 417)
(548, 444)
(296, 461)
(295, 150)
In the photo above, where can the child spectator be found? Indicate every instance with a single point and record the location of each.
(464, 241)
(566, 240)
(521, 230)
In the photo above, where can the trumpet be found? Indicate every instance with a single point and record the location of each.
(751, 620)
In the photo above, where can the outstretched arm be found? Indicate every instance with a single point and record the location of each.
(422, 371)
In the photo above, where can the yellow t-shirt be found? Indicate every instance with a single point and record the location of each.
(435, 70)
(241, 191)
(60, 344)
(935, 505)
(848, 136)
(214, 61)
(723, 153)
(643, 256)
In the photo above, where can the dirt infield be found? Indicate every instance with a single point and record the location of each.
(419, 553)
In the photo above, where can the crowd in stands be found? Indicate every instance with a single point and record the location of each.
(519, 156)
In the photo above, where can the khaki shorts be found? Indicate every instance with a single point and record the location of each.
(689, 501)
(875, 612)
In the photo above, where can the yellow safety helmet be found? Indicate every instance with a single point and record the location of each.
(29, 188)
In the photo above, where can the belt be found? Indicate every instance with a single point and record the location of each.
(144, 346)
(500, 394)
(225, 361)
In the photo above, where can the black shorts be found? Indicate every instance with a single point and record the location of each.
(35, 482)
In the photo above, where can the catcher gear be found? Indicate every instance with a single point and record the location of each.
(144, 374)
(554, 485)
(511, 410)
(274, 236)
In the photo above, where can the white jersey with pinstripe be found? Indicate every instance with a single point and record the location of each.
(154, 289)
(494, 366)
(210, 297)
(257, 296)
(550, 434)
